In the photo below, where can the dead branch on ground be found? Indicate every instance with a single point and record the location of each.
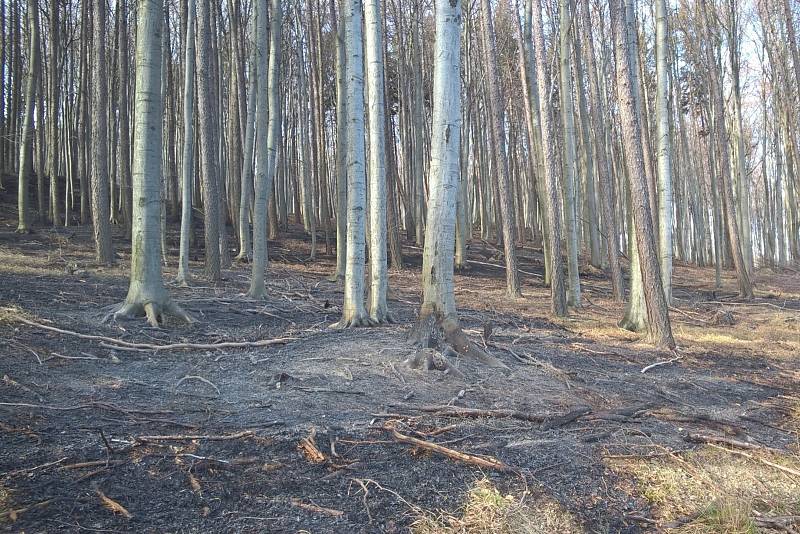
(207, 437)
(487, 462)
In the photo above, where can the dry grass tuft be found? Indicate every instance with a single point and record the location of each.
(487, 511)
(714, 491)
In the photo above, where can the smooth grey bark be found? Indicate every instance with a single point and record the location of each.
(25, 152)
(123, 147)
(378, 273)
(341, 150)
(506, 207)
(664, 149)
(187, 172)
(353, 311)
(437, 259)
(267, 136)
(52, 113)
(146, 293)
(104, 251)
(208, 147)
(246, 186)
(570, 161)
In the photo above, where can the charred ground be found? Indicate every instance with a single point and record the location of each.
(80, 418)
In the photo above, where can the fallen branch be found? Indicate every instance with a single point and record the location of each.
(120, 344)
(14, 514)
(554, 420)
(113, 505)
(316, 509)
(308, 447)
(718, 440)
(195, 377)
(32, 469)
(659, 364)
(208, 437)
(779, 467)
(567, 418)
(785, 522)
(481, 461)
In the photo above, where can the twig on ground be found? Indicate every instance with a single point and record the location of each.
(32, 469)
(113, 505)
(122, 345)
(719, 440)
(779, 467)
(659, 364)
(13, 514)
(207, 437)
(482, 461)
(308, 447)
(316, 509)
(196, 377)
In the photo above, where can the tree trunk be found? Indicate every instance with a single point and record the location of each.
(558, 303)
(378, 275)
(208, 147)
(664, 148)
(23, 200)
(660, 331)
(100, 182)
(146, 293)
(506, 207)
(569, 166)
(353, 312)
(267, 135)
(187, 172)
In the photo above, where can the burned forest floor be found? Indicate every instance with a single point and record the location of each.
(328, 430)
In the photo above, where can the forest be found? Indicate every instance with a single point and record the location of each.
(425, 266)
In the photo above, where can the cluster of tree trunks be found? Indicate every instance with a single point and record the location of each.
(575, 131)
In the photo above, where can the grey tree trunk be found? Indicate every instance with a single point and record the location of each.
(558, 302)
(146, 293)
(25, 152)
(664, 149)
(187, 172)
(659, 328)
(437, 259)
(570, 162)
(100, 182)
(506, 206)
(206, 103)
(246, 188)
(378, 274)
(353, 311)
(341, 150)
(267, 136)
(123, 150)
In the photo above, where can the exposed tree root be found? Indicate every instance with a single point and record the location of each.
(443, 333)
(429, 359)
(354, 320)
(382, 318)
(155, 312)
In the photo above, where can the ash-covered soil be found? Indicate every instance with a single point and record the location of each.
(83, 419)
